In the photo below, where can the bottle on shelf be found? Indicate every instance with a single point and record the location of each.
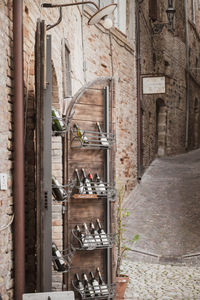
(79, 284)
(79, 184)
(83, 240)
(93, 185)
(58, 191)
(57, 122)
(58, 260)
(88, 236)
(86, 183)
(95, 234)
(103, 235)
(100, 186)
(89, 292)
(95, 285)
(103, 286)
(81, 135)
(103, 138)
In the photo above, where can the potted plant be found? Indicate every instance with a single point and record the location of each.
(122, 279)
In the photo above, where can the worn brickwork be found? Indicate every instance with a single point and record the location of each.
(164, 54)
(6, 150)
(93, 54)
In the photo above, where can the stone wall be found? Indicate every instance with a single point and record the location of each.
(6, 150)
(93, 53)
(164, 54)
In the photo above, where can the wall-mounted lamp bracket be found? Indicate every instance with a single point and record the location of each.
(58, 22)
(170, 11)
(157, 28)
(100, 14)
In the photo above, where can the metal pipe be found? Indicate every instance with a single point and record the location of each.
(187, 77)
(139, 123)
(107, 174)
(58, 21)
(19, 228)
(49, 5)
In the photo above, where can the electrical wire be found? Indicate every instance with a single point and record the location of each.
(6, 226)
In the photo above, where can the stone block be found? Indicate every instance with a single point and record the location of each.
(50, 296)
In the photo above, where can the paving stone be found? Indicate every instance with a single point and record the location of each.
(165, 212)
(172, 282)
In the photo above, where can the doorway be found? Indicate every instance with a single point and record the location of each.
(196, 123)
(161, 127)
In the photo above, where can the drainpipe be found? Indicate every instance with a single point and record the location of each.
(187, 77)
(19, 228)
(138, 68)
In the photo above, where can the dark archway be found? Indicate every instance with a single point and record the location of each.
(161, 127)
(196, 123)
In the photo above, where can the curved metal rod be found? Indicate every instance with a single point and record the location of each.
(48, 5)
(58, 22)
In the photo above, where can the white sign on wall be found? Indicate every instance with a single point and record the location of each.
(153, 85)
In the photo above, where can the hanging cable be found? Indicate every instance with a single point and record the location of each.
(6, 226)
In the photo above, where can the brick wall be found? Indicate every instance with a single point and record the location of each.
(165, 54)
(6, 150)
(101, 55)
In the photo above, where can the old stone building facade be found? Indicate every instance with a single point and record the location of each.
(80, 54)
(170, 121)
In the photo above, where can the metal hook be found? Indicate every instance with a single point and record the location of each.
(58, 22)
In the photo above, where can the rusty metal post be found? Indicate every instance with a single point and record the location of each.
(139, 117)
(19, 228)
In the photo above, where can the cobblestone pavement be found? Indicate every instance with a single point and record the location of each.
(162, 282)
(165, 207)
(165, 212)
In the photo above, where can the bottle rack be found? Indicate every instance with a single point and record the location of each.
(68, 189)
(94, 140)
(86, 295)
(67, 255)
(60, 132)
(89, 241)
(91, 150)
(66, 121)
(108, 192)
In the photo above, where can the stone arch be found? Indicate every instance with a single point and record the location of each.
(196, 123)
(161, 127)
(76, 98)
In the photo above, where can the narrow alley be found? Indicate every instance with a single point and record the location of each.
(164, 211)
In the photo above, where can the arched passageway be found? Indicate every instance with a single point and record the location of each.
(196, 123)
(161, 119)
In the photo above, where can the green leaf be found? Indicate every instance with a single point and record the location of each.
(136, 238)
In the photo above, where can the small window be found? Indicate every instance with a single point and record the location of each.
(153, 9)
(67, 89)
(120, 15)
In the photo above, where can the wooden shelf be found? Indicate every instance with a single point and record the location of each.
(85, 196)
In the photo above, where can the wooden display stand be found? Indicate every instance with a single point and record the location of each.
(91, 108)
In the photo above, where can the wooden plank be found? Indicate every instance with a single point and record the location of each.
(83, 210)
(88, 113)
(92, 97)
(91, 156)
(84, 196)
(38, 146)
